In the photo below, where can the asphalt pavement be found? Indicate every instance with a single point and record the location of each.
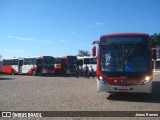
(41, 93)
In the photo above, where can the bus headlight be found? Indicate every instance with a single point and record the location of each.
(101, 79)
(146, 80)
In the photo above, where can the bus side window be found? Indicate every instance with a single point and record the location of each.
(30, 61)
(9, 62)
(80, 62)
(15, 62)
(86, 60)
(93, 61)
(4, 62)
(25, 61)
(34, 61)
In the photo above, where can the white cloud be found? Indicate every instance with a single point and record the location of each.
(73, 32)
(81, 44)
(62, 40)
(19, 51)
(10, 36)
(99, 23)
(29, 39)
(6, 50)
(48, 42)
(20, 38)
(13, 51)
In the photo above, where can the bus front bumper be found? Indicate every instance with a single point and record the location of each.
(48, 71)
(140, 88)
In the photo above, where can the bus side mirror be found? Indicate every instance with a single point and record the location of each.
(154, 54)
(94, 51)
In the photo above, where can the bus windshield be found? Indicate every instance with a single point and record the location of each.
(48, 62)
(72, 61)
(125, 57)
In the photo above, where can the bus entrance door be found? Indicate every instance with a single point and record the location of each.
(20, 64)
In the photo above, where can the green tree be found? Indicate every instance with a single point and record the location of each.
(155, 38)
(82, 53)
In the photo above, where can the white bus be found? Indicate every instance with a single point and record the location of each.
(87, 60)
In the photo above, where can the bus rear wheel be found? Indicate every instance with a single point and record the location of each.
(12, 72)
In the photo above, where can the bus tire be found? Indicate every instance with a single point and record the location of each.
(34, 73)
(12, 72)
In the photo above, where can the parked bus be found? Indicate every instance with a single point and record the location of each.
(29, 65)
(87, 60)
(45, 65)
(124, 63)
(66, 65)
(10, 66)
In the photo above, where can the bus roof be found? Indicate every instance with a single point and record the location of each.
(86, 57)
(41, 57)
(9, 59)
(124, 33)
(68, 56)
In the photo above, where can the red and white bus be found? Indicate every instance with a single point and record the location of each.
(124, 63)
(10, 66)
(40, 65)
(45, 65)
(65, 65)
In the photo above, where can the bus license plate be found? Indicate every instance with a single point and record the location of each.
(123, 90)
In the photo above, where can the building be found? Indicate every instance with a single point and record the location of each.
(0, 63)
(156, 64)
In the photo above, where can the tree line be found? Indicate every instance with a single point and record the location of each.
(155, 38)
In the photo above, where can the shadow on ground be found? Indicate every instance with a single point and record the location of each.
(154, 97)
(1, 78)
